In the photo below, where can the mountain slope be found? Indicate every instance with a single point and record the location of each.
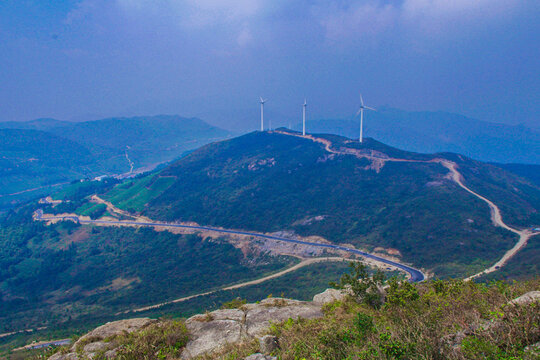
(431, 132)
(273, 182)
(48, 151)
(148, 139)
(32, 158)
(43, 124)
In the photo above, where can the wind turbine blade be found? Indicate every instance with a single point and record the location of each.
(359, 111)
(370, 108)
(361, 100)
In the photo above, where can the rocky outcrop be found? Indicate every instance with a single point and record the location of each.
(260, 356)
(214, 330)
(96, 340)
(526, 299)
(328, 296)
(454, 340)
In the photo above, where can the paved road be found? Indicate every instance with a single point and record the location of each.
(496, 217)
(415, 275)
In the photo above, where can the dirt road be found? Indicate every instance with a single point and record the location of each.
(302, 264)
(496, 217)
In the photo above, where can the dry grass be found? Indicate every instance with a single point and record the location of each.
(447, 320)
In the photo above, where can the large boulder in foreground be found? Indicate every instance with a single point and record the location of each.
(93, 343)
(210, 332)
(526, 299)
(214, 330)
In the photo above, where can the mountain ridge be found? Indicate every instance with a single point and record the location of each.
(243, 182)
(430, 132)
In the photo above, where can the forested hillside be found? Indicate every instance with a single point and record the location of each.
(44, 152)
(273, 182)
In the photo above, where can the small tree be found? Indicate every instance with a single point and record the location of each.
(401, 292)
(362, 285)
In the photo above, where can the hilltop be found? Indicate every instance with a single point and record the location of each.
(410, 207)
(438, 131)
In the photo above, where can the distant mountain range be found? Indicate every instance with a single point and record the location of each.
(47, 151)
(431, 132)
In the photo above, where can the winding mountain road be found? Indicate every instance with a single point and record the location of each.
(495, 212)
(415, 274)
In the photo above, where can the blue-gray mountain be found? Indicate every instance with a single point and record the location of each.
(430, 132)
(46, 151)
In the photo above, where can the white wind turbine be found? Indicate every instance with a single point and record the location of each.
(361, 112)
(262, 112)
(304, 118)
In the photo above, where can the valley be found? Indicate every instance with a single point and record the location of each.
(325, 199)
(38, 155)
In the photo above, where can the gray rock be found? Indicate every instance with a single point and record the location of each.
(328, 296)
(110, 354)
(268, 343)
(96, 347)
(260, 357)
(112, 329)
(212, 331)
(224, 314)
(526, 299)
(258, 318)
(209, 336)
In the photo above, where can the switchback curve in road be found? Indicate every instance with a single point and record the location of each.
(415, 275)
(495, 212)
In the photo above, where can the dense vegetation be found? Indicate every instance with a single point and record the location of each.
(39, 153)
(301, 284)
(524, 264)
(412, 207)
(53, 274)
(434, 320)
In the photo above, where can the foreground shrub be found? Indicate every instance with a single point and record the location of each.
(449, 319)
(364, 287)
(163, 340)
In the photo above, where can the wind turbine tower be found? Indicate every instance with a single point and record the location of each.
(304, 118)
(361, 112)
(262, 112)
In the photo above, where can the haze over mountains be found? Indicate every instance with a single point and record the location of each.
(430, 132)
(47, 151)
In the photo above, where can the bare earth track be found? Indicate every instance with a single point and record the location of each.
(303, 263)
(496, 217)
(378, 160)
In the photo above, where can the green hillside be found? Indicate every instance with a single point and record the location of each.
(32, 158)
(68, 275)
(272, 182)
(44, 152)
(148, 139)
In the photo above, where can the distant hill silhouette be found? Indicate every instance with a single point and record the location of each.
(439, 132)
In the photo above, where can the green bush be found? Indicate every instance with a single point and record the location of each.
(164, 340)
(364, 286)
(401, 292)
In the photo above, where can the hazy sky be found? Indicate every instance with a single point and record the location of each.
(80, 60)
